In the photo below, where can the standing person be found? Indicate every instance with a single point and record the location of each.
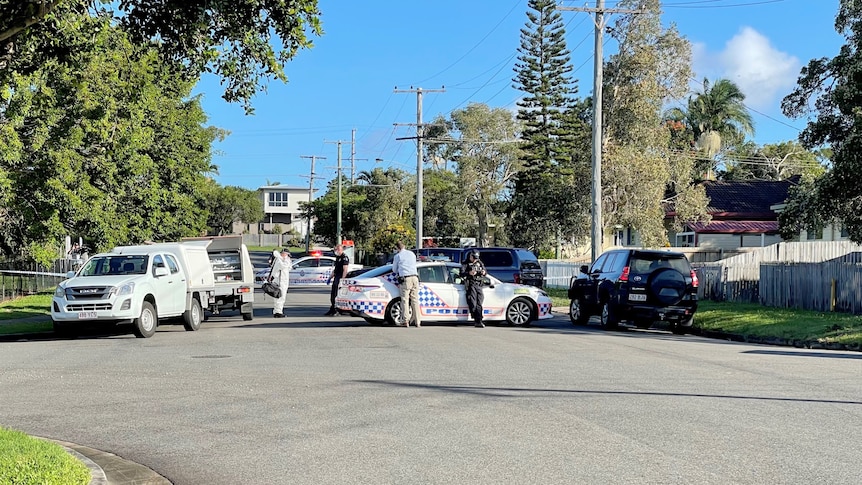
(404, 266)
(279, 274)
(473, 272)
(75, 251)
(340, 271)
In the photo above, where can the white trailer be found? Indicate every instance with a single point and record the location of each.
(233, 272)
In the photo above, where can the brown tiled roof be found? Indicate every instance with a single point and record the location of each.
(735, 227)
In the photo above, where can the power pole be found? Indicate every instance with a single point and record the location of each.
(353, 156)
(310, 197)
(419, 136)
(338, 217)
(598, 64)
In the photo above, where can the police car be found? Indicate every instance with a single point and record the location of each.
(375, 296)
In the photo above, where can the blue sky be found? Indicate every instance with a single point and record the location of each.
(370, 47)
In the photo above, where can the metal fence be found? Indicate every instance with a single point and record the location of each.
(22, 279)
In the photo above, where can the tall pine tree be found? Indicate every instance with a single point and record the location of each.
(549, 192)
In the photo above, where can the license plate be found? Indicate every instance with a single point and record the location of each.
(637, 297)
(87, 315)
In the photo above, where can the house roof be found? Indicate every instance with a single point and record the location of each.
(746, 199)
(283, 187)
(735, 227)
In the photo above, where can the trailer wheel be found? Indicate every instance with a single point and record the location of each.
(193, 316)
(145, 325)
(247, 316)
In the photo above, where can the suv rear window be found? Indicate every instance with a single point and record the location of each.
(496, 258)
(648, 262)
(528, 259)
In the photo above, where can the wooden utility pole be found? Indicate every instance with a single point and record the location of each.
(419, 136)
(338, 217)
(311, 178)
(597, 226)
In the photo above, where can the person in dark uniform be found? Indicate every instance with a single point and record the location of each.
(473, 273)
(340, 271)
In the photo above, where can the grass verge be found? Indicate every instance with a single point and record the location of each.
(753, 320)
(26, 306)
(26, 460)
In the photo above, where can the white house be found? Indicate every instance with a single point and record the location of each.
(281, 207)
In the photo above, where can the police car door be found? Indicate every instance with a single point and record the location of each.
(438, 296)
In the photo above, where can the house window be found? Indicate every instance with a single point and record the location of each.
(813, 233)
(844, 231)
(685, 239)
(278, 199)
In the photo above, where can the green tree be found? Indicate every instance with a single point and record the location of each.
(639, 170)
(486, 155)
(543, 74)
(773, 161)
(446, 214)
(227, 205)
(233, 39)
(108, 145)
(831, 87)
(717, 119)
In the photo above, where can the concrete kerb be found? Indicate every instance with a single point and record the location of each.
(109, 469)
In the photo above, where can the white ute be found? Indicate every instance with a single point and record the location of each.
(141, 285)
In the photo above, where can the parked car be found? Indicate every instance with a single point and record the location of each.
(309, 271)
(375, 297)
(639, 286)
(509, 265)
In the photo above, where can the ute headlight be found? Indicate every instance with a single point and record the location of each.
(126, 289)
(60, 292)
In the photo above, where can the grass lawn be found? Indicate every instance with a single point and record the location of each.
(26, 460)
(752, 320)
(26, 306)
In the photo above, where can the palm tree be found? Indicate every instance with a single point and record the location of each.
(716, 116)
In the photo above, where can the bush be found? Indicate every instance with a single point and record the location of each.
(25, 460)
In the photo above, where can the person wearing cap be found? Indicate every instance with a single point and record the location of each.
(404, 266)
(342, 264)
(473, 273)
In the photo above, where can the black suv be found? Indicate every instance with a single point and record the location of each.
(639, 286)
(509, 265)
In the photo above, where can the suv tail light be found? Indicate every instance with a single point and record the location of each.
(624, 276)
(694, 280)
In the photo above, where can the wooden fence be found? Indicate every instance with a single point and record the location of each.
(827, 286)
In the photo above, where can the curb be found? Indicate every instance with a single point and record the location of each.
(109, 469)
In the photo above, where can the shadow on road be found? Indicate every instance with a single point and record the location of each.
(529, 392)
(830, 355)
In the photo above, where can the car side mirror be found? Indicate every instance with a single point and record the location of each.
(161, 271)
(459, 280)
(585, 269)
(70, 274)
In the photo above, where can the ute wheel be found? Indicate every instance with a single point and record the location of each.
(247, 316)
(578, 312)
(608, 318)
(145, 325)
(193, 317)
(519, 312)
(64, 330)
(393, 312)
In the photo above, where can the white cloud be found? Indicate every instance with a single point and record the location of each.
(760, 70)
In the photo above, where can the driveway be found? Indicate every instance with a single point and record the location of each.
(314, 399)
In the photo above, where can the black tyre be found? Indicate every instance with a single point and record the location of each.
(193, 317)
(247, 316)
(608, 317)
(667, 286)
(145, 325)
(393, 312)
(683, 327)
(578, 313)
(64, 330)
(519, 312)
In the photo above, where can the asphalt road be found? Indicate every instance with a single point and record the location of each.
(313, 399)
